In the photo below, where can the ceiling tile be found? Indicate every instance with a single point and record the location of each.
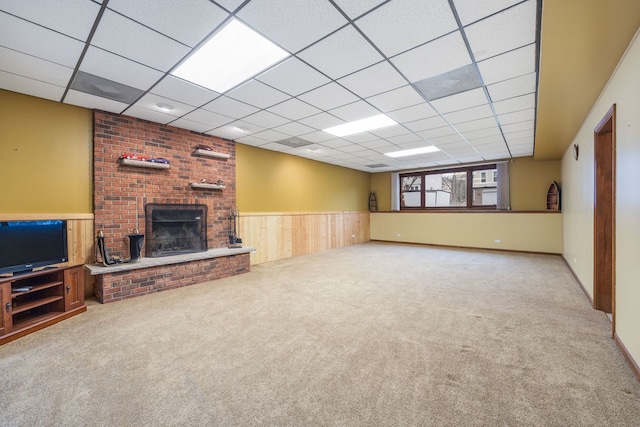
(517, 127)
(71, 17)
(489, 122)
(294, 129)
(293, 77)
(469, 114)
(412, 113)
(113, 67)
(31, 87)
(436, 57)
(329, 96)
(487, 37)
(265, 119)
(334, 142)
(258, 94)
(322, 121)
(436, 132)
(230, 5)
(252, 140)
(230, 107)
(473, 10)
(271, 135)
(422, 25)
(371, 81)
(515, 104)
(361, 137)
(342, 53)
(150, 101)
(292, 25)
(175, 88)
(317, 136)
(491, 131)
(187, 22)
(242, 127)
(460, 101)
(391, 131)
(151, 115)
(354, 111)
(404, 139)
(227, 132)
(294, 109)
(191, 125)
(37, 41)
(513, 87)
(86, 100)
(508, 65)
(125, 37)
(428, 123)
(211, 120)
(355, 8)
(517, 117)
(34, 68)
(396, 99)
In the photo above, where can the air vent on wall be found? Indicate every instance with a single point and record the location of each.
(104, 88)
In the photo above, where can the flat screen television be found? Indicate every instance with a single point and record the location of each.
(25, 245)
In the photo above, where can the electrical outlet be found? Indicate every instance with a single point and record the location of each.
(398, 235)
(497, 240)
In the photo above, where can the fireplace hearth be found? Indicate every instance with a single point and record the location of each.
(174, 229)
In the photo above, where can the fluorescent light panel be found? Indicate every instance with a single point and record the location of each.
(231, 56)
(413, 151)
(362, 125)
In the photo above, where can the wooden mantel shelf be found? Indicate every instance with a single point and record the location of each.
(209, 153)
(205, 186)
(144, 164)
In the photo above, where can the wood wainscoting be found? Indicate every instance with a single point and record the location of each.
(279, 235)
(80, 238)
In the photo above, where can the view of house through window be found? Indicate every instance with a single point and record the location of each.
(470, 187)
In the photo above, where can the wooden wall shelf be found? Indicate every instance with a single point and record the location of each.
(207, 153)
(144, 164)
(553, 197)
(204, 186)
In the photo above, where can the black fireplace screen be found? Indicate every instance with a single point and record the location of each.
(175, 229)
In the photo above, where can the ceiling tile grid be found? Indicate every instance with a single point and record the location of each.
(459, 74)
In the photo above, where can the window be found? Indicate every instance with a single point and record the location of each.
(460, 188)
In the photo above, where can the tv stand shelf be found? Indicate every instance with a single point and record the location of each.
(53, 294)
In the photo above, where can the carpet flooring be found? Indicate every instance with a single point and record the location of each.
(375, 334)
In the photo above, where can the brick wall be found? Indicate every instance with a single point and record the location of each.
(121, 192)
(113, 287)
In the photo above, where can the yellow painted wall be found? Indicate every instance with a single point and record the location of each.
(529, 182)
(578, 189)
(269, 181)
(534, 232)
(45, 156)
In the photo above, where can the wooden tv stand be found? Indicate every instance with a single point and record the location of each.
(53, 294)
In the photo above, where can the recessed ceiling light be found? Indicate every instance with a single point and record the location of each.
(231, 56)
(362, 125)
(164, 107)
(413, 151)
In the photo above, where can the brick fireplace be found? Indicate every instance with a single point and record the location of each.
(123, 191)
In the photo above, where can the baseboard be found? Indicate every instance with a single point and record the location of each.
(575, 276)
(436, 245)
(634, 366)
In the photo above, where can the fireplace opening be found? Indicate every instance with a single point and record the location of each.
(174, 229)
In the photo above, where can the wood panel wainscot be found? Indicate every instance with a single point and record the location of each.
(279, 235)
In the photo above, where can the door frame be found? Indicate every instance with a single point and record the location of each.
(604, 248)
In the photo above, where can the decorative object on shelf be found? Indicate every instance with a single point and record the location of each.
(553, 197)
(132, 159)
(576, 151)
(205, 185)
(234, 241)
(373, 203)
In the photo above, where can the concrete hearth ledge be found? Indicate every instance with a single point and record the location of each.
(98, 269)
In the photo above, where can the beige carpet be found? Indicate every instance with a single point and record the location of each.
(369, 335)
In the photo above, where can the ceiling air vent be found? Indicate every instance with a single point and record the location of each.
(455, 81)
(294, 142)
(104, 88)
(377, 165)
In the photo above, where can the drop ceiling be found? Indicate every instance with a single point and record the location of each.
(458, 74)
